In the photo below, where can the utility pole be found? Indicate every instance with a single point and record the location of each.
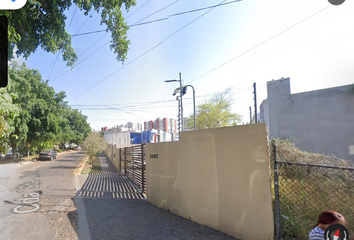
(250, 114)
(171, 129)
(255, 103)
(179, 114)
(180, 102)
(181, 90)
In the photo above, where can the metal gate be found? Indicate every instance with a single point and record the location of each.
(132, 160)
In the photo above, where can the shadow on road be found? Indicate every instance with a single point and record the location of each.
(115, 208)
(63, 167)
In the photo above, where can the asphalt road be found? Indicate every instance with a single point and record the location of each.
(37, 199)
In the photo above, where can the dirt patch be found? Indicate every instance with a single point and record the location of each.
(18, 160)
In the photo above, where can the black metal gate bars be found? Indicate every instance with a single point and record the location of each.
(132, 160)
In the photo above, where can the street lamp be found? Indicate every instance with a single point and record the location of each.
(180, 87)
(184, 92)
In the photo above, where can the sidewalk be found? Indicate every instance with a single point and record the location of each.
(111, 207)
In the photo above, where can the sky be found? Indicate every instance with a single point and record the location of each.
(234, 45)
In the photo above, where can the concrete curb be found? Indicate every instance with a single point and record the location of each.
(78, 170)
(83, 228)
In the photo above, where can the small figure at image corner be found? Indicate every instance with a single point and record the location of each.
(325, 219)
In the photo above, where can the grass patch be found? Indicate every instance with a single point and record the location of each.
(96, 166)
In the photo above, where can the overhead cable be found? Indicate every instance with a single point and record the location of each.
(146, 51)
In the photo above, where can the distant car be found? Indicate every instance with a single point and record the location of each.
(77, 148)
(48, 154)
(8, 155)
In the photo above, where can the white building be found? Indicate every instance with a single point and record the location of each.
(167, 125)
(137, 127)
(117, 137)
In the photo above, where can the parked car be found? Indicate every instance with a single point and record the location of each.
(9, 155)
(77, 148)
(48, 154)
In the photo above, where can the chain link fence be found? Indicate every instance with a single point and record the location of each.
(302, 190)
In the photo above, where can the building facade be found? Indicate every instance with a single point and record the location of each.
(137, 127)
(167, 125)
(116, 137)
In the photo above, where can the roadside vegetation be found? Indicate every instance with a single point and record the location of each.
(307, 190)
(96, 166)
(34, 117)
(93, 145)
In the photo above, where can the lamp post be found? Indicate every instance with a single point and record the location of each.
(180, 100)
(183, 90)
(195, 124)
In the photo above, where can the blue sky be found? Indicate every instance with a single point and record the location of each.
(228, 46)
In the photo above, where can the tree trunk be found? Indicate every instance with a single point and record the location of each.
(13, 146)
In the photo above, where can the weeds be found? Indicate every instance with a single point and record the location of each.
(96, 166)
(305, 191)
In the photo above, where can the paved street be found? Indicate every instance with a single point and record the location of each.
(36, 199)
(114, 209)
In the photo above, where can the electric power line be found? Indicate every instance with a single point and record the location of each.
(200, 9)
(80, 61)
(67, 30)
(134, 24)
(48, 67)
(79, 56)
(106, 42)
(137, 10)
(85, 21)
(132, 105)
(148, 50)
(240, 54)
(160, 19)
(56, 59)
(161, 9)
(260, 44)
(72, 17)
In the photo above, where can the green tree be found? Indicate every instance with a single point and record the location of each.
(8, 113)
(44, 118)
(79, 127)
(94, 144)
(42, 23)
(215, 113)
(19, 84)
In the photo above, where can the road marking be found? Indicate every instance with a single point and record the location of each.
(29, 202)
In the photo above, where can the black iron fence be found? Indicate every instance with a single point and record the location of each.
(302, 190)
(133, 163)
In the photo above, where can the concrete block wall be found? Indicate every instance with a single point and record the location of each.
(320, 121)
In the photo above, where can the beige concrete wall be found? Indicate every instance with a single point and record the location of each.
(112, 153)
(218, 177)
